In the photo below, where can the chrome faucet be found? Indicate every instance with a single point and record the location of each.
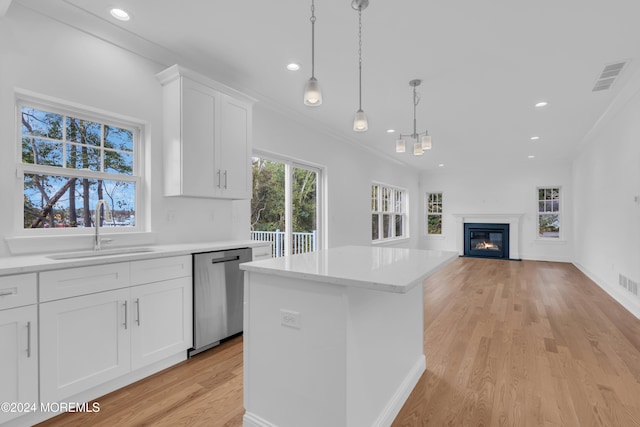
(97, 242)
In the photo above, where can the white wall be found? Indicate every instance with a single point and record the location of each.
(72, 66)
(81, 69)
(607, 203)
(350, 170)
(511, 190)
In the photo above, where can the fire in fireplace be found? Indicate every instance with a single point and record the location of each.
(486, 240)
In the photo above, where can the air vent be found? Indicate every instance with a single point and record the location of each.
(628, 284)
(608, 76)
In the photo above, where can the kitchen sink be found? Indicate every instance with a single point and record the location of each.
(100, 253)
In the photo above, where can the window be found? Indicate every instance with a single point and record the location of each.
(285, 205)
(549, 212)
(388, 213)
(69, 161)
(434, 213)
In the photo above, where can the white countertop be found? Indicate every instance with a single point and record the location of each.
(41, 262)
(377, 268)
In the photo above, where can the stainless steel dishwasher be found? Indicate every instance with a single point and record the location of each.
(218, 296)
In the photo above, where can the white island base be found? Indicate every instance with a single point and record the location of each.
(334, 338)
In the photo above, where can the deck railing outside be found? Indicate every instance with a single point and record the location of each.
(302, 242)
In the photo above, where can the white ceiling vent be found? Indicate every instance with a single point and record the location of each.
(608, 76)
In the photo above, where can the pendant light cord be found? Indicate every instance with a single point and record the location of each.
(313, 39)
(360, 58)
(416, 100)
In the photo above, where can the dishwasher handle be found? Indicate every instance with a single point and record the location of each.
(225, 259)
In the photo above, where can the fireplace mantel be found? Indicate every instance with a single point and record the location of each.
(514, 229)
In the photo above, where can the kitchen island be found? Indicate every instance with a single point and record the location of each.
(334, 337)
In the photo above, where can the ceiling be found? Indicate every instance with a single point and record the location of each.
(483, 65)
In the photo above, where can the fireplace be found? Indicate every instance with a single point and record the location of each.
(486, 240)
(511, 219)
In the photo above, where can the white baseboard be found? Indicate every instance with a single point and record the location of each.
(545, 258)
(393, 407)
(252, 420)
(625, 301)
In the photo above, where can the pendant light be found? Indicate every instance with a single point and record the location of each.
(312, 94)
(360, 123)
(420, 143)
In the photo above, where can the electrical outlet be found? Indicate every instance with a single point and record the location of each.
(290, 318)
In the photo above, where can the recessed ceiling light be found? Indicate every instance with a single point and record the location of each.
(441, 165)
(391, 130)
(293, 66)
(542, 104)
(531, 156)
(120, 14)
(535, 138)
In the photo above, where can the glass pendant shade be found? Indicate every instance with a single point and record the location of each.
(312, 94)
(417, 149)
(360, 123)
(426, 142)
(401, 146)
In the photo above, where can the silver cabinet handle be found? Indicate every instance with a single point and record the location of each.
(138, 311)
(218, 178)
(225, 179)
(4, 294)
(28, 339)
(125, 314)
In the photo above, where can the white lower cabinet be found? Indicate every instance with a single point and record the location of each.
(84, 342)
(88, 340)
(261, 251)
(161, 320)
(18, 359)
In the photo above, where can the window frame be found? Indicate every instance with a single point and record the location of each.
(393, 210)
(560, 235)
(104, 118)
(427, 212)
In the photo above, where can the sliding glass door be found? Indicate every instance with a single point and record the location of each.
(285, 205)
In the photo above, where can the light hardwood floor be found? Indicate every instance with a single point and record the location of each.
(507, 344)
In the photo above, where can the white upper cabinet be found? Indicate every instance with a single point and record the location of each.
(207, 137)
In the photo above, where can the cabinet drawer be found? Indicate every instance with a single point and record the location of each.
(261, 252)
(83, 280)
(18, 290)
(156, 270)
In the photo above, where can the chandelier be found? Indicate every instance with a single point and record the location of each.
(420, 144)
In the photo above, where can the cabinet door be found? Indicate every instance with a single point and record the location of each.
(84, 341)
(200, 105)
(162, 320)
(18, 358)
(235, 148)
